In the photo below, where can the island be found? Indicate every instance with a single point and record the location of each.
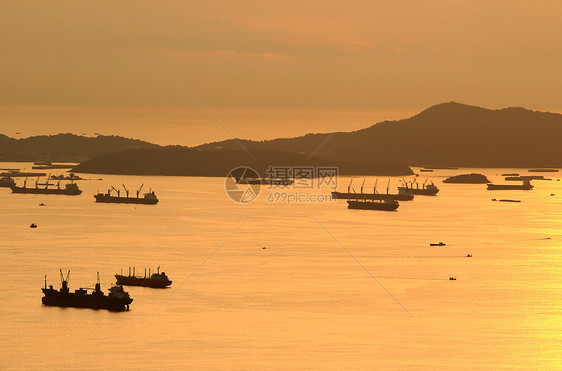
(472, 178)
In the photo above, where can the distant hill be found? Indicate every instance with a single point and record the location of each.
(64, 147)
(448, 134)
(176, 160)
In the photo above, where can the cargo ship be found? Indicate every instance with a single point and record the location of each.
(526, 186)
(117, 299)
(155, 280)
(21, 174)
(425, 190)
(385, 205)
(148, 198)
(70, 189)
(349, 195)
(266, 181)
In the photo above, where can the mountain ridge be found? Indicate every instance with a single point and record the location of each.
(446, 134)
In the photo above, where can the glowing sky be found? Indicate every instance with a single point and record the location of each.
(313, 55)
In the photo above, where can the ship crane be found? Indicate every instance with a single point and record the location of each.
(63, 281)
(375, 187)
(126, 190)
(116, 190)
(139, 190)
(362, 186)
(350, 188)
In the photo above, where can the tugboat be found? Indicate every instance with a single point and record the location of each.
(349, 195)
(385, 205)
(148, 199)
(156, 280)
(116, 300)
(70, 189)
(526, 186)
(425, 190)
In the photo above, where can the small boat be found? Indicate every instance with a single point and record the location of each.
(385, 205)
(155, 280)
(116, 300)
(33, 225)
(525, 186)
(452, 278)
(438, 244)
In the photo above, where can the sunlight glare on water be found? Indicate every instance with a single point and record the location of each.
(303, 301)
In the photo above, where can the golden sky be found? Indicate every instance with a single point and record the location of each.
(259, 55)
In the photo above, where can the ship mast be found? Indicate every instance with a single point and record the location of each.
(139, 190)
(116, 190)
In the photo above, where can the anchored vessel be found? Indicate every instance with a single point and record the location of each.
(116, 299)
(525, 186)
(156, 280)
(402, 195)
(425, 190)
(266, 181)
(17, 173)
(386, 205)
(70, 189)
(147, 199)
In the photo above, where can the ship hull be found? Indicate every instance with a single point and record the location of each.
(272, 182)
(46, 191)
(73, 300)
(494, 187)
(125, 200)
(362, 205)
(420, 191)
(372, 196)
(145, 282)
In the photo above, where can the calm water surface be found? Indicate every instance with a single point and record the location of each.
(334, 288)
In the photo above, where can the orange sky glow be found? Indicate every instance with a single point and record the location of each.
(251, 56)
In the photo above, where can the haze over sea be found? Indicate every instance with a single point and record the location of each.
(314, 298)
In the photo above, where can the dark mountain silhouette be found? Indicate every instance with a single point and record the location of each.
(64, 147)
(177, 160)
(448, 134)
